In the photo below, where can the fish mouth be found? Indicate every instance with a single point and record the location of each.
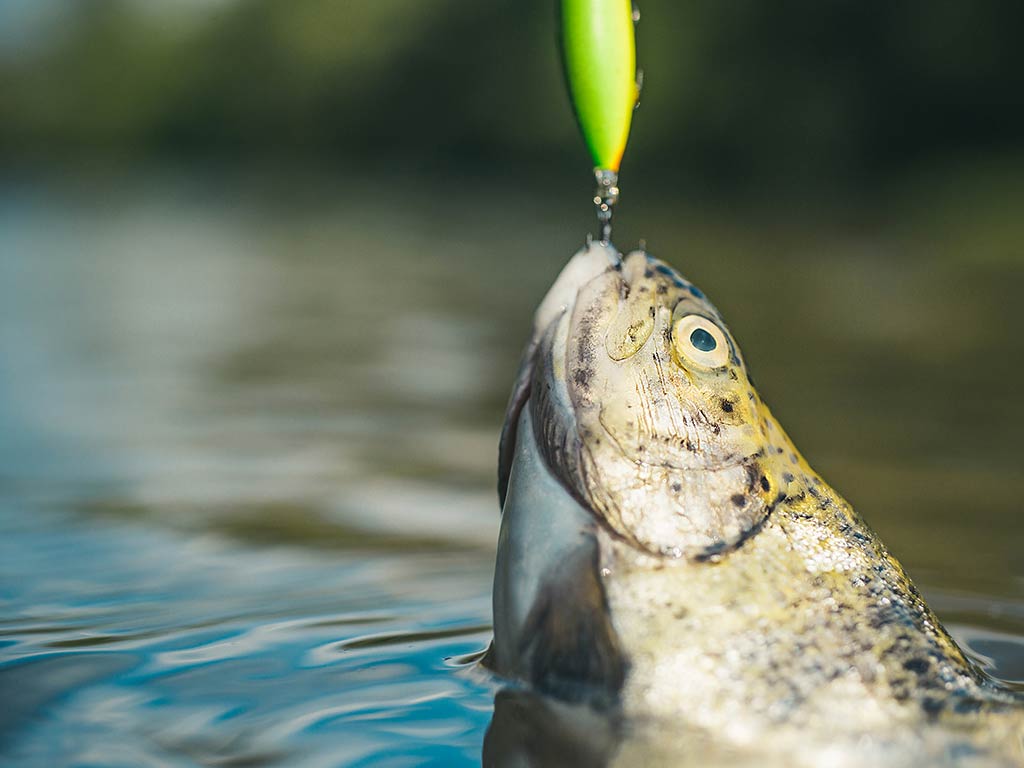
(588, 264)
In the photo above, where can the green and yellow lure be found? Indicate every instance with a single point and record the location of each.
(599, 51)
(599, 54)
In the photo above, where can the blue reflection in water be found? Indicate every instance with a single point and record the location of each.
(130, 642)
(211, 548)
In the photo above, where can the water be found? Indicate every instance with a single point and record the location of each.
(248, 432)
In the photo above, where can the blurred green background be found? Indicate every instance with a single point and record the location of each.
(738, 96)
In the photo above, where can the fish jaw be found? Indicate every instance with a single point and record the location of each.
(589, 262)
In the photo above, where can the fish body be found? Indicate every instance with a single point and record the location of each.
(666, 554)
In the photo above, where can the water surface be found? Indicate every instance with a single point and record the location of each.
(248, 433)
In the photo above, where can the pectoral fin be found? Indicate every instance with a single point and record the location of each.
(551, 622)
(569, 642)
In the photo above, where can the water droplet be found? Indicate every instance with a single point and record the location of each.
(605, 197)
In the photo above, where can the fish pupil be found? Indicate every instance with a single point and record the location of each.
(703, 340)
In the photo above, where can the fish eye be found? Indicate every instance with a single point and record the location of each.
(703, 340)
(700, 341)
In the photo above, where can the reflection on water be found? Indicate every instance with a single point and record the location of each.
(248, 434)
(134, 645)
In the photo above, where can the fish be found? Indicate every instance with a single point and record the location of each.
(666, 556)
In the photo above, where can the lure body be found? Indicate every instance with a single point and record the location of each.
(599, 53)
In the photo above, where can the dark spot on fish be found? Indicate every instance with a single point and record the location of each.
(677, 487)
(712, 550)
(778, 450)
(878, 620)
(696, 291)
(653, 311)
(792, 458)
(781, 497)
(678, 283)
(665, 270)
(917, 666)
(582, 376)
(739, 500)
(727, 406)
(967, 706)
(648, 273)
(931, 706)
(662, 288)
(787, 477)
(585, 351)
(765, 485)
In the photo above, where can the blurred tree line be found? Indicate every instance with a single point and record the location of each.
(746, 89)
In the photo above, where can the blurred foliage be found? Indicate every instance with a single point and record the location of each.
(794, 90)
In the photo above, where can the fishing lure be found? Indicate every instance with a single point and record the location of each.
(599, 55)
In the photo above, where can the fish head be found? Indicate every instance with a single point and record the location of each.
(643, 408)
